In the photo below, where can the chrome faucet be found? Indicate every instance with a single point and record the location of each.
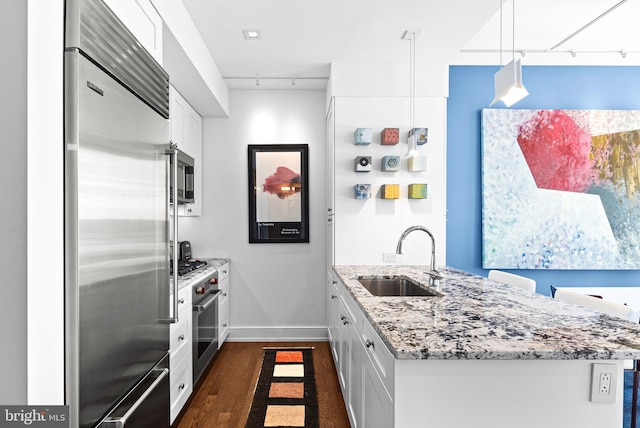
(433, 266)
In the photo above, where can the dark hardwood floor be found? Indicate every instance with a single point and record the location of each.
(223, 396)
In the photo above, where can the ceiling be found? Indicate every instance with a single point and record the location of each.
(300, 38)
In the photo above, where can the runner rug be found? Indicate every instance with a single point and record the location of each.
(285, 394)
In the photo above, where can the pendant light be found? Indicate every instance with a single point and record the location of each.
(412, 36)
(508, 80)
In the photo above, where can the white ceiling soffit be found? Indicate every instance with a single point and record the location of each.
(613, 39)
(302, 38)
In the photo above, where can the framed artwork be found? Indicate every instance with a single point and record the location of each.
(278, 193)
(561, 189)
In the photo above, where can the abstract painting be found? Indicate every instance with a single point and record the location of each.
(278, 193)
(561, 189)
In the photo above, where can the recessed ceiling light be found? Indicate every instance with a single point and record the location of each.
(252, 34)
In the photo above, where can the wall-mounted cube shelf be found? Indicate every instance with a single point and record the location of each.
(390, 191)
(421, 135)
(391, 163)
(362, 136)
(417, 163)
(362, 163)
(418, 191)
(362, 191)
(390, 136)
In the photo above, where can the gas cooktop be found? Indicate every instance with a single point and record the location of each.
(185, 267)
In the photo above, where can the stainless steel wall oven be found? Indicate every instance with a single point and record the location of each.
(205, 323)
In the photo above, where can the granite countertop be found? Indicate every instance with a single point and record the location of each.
(482, 319)
(192, 277)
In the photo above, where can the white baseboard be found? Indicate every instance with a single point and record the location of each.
(278, 334)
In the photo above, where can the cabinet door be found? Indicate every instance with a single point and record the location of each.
(223, 321)
(223, 304)
(141, 18)
(192, 133)
(330, 153)
(343, 346)
(177, 106)
(332, 309)
(186, 133)
(181, 385)
(356, 377)
(377, 411)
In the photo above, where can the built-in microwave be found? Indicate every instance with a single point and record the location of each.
(186, 194)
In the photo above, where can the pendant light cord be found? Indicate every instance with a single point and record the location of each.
(513, 33)
(500, 32)
(412, 77)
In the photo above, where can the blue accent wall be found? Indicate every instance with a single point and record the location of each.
(471, 90)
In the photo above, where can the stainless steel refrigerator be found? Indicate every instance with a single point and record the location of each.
(117, 285)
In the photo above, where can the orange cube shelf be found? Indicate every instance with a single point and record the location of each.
(390, 136)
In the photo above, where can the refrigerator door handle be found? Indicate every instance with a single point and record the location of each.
(172, 152)
(121, 421)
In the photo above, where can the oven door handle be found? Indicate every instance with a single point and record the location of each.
(208, 301)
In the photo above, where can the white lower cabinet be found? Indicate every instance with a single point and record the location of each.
(377, 405)
(333, 316)
(355, 404)
(223, 304)
(181, 385)
(180, 355)
(364, 364)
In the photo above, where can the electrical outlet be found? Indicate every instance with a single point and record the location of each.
(389, 257)
(604, 382)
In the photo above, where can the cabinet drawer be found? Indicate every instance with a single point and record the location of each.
(181, 385)
(357, 317)
(223, 286)
(335, 288)
(223, 322)
(180, 337)
(380, 356)
(184, 299)
(223, 271)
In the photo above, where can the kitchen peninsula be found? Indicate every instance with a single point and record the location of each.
(483, 354)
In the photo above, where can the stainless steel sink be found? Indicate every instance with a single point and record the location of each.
(395, 286)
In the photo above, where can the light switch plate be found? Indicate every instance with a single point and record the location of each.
(389, 257)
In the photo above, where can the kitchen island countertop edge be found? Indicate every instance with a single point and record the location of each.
(481, 319)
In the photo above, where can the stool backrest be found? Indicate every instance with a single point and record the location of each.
(513, 279)
(600, 305)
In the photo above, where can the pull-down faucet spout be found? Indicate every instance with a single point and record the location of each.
(433, 267)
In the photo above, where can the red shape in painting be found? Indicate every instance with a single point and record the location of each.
(557, 151)
(282, 183)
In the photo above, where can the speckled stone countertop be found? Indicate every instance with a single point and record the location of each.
(192, 277)
(481, 319)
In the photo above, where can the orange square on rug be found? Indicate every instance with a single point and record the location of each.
(284, 416)
(286, 390)
(289, 357)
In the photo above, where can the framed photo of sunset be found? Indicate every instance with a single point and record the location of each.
(560, 189)
(278, 193)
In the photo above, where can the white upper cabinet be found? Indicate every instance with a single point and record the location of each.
(144, 22)
(186, 133)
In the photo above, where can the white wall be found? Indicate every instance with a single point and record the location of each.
(376, 96)
(367, 228)
(45, 203)
(277, 290)
(13, 216)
